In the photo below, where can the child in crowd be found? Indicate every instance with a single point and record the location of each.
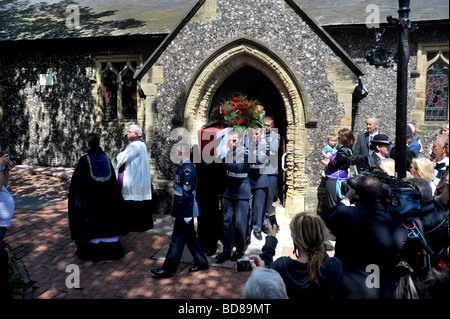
(329, 149)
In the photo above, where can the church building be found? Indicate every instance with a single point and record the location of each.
(71, 67)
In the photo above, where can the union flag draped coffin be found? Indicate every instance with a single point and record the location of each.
(212, 140)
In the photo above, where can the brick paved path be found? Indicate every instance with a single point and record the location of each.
(40, 241)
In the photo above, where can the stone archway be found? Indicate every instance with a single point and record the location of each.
(223, 63)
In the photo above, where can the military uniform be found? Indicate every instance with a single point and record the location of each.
(273, 145)
(259, 182)
(184, 210)
(235, 202)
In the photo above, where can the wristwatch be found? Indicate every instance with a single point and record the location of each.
(2, 168)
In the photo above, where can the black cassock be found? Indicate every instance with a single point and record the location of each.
(95, 204)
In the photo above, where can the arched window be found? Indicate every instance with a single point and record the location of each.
(110, 79)
(436, 95)
(117, 91)
(129, 93)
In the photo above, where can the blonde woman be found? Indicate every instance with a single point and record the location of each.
(312, 274)
(387, 165)
(423, 167)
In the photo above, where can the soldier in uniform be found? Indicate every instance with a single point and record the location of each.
(272, 144)
(235, 198)
(259, 181)
(184, 210)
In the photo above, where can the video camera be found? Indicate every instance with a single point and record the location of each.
(400, 198)
(14, 158)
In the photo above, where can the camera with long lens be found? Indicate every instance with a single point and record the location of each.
(14, 158)
(399, 198)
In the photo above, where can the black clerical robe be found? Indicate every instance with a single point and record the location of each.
(95, 203)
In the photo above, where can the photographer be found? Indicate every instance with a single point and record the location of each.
(366, 236)
(6, 213)
(312, 274)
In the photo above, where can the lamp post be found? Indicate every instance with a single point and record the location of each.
(402, 88)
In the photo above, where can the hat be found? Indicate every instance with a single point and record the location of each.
(409, 131)
(379, 139)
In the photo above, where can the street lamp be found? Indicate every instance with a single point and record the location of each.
(379, 56)
(403, 25)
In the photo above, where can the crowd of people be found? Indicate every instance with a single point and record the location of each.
(378, 254)
(370, 243)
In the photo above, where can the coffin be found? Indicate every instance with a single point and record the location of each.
(212, 140)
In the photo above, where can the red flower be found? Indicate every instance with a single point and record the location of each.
(238, 111)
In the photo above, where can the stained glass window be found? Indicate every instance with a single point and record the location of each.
(109, 95)
(436, 98)
(119, 90)
(129, 95)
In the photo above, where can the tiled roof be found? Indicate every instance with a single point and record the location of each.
(46, 19)
(346, 12)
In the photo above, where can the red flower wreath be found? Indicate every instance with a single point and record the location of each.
(238, 112)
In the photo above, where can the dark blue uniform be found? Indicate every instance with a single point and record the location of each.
(184, 206)
(259, 182)
(235, 200)
(273, 145)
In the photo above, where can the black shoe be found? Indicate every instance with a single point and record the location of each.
(237, 255)
(222, 257)
(161, 273)
(257, 234)
(198, 268)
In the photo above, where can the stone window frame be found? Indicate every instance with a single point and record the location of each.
(419, 93)
(119, 122)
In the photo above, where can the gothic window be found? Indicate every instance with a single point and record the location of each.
(436, 95)
(117, 90)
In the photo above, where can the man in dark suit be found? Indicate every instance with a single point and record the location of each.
(362, 145)
(368, 242)
(235, 198)
(380, 146)
(184, 210)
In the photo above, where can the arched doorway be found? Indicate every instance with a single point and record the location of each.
(257, 86)
(275, 83)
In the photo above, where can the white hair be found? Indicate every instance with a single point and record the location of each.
(136, 129)
(264, 283)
